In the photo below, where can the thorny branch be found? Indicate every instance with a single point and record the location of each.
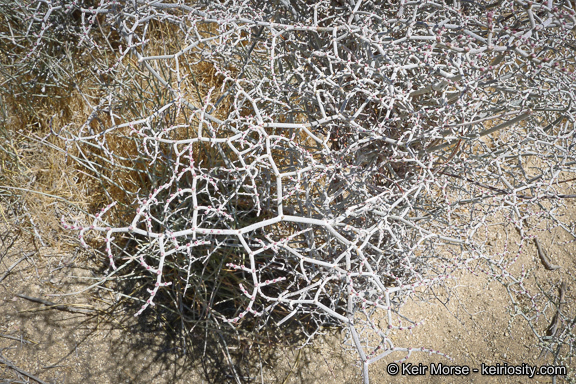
(339, 158)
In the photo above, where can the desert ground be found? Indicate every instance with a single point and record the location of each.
(91, 337)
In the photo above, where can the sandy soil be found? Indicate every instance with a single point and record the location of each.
(98, 345)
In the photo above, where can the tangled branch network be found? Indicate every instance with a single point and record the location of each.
(338, 157)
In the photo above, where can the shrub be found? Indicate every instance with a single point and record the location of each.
(321, 162)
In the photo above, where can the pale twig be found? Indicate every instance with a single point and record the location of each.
(21, 371)
(20, 339)
(10, 268)
(60, 307)
(544, 257)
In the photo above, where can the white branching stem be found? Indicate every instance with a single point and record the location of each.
(337, 152)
